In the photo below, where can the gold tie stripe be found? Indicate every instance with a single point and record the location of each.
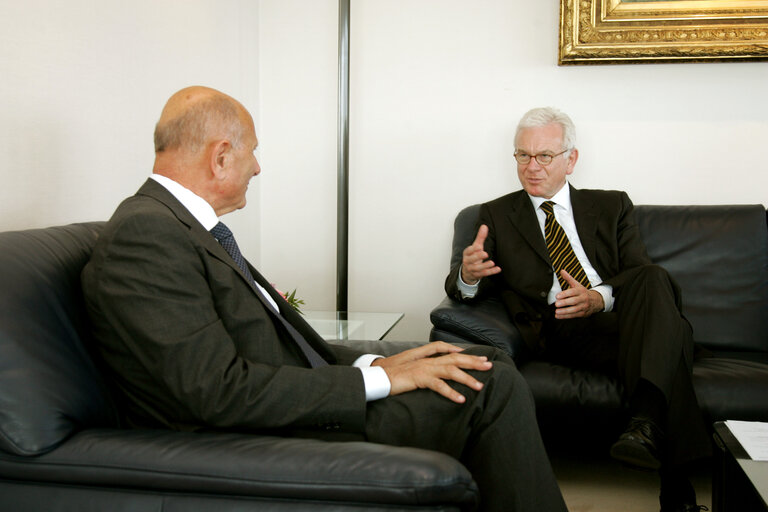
(560, 250)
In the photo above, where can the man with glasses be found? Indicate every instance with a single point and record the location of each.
(575, 277)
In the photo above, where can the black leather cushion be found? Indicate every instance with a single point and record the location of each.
(567, 389)
(48, 383)
(581, 404)
(719, 257)
(726, 388)
(47, 498)
(485, 322)
(229, 464)
(730, 388)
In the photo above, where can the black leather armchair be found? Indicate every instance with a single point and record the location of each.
(62, 448)
(718, 255)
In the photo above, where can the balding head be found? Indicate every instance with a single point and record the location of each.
(195, 116)
(205, 141)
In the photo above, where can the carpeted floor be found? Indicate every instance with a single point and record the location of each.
(600, 484)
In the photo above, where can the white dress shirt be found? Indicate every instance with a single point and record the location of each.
(375, 379)
(564, 217)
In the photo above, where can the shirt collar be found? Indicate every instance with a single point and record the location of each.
(197, 206)
(561, 199)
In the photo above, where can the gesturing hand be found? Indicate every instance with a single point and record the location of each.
(577, 301)
(429, 366)
(474, 262)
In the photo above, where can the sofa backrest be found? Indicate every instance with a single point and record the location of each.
(49, 385)
(718, 255)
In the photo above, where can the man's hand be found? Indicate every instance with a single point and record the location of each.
(577, 301)
(429, 366)
(474, 262)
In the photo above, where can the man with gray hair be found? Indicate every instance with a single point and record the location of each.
(573, 273)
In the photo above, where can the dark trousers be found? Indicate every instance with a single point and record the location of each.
(645, 338)
(494, 434)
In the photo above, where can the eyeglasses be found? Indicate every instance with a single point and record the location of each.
(541, 159)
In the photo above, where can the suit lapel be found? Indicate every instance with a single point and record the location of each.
(156, 191)
(586, 216)
(153, 189)
(523, 218)
(291, 316)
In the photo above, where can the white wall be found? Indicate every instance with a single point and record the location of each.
(437, 87)
(83, 83)
(298, 111)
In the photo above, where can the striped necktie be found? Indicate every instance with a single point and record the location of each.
(224, 236)
(560, 251)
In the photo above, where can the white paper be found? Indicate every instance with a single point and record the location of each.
(753, 436)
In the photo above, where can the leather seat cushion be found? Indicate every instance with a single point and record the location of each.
(726, 387)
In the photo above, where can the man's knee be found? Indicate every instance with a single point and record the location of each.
(503, 381)
(651, 278)
(492, 353)
(650, 272)
(655, 272)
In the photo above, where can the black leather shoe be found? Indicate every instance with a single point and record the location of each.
(639, 445)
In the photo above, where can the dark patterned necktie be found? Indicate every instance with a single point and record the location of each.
(560, 250)
(224, 236)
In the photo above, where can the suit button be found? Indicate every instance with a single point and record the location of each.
(542, 294)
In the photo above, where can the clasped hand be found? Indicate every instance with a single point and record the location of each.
(430, 366)
(577, 301)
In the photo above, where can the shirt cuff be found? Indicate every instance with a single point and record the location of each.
(375, 379)
(467, 290)
(606, 291)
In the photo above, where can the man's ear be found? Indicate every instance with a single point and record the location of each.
(219, 158)
(573, 156)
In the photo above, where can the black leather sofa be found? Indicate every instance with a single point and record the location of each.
(62, 447)
(718, 255)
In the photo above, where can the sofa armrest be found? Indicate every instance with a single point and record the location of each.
(484, 322)
(249, 465)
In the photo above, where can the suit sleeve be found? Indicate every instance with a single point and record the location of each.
(166, 337)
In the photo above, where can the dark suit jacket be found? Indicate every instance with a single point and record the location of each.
(607, 230)
(190, 343)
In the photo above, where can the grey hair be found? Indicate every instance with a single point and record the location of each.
(199, 122)
(543, 116)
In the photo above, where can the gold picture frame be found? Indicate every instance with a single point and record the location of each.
(622, 31)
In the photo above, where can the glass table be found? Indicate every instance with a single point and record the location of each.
(352, 325)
